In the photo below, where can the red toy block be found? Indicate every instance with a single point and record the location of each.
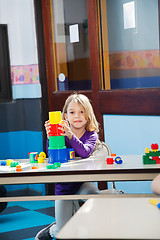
(54, 131)
(34, 167)
(157, 159)
(109, 161)
(18, 168)
(154, 146)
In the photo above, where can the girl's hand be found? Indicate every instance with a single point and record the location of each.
(64, 126)
(47, 127)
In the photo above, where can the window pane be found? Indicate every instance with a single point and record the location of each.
(71, 46)
(132, 33)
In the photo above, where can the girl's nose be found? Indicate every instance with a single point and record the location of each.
(76, 114)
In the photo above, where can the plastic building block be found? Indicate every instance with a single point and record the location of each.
(54, 166)
(153, 153)
(49, 167)
(55, 117)
(3, 163)
(146, 150)
(18, 169)
(9, 162)
(153, 156)
(157, 161)
(33, 157)
(118, 160)
(113, 154)
(14, 164)
(155, 202)
(40, 160)
(148, 160)
(57, 142)
(42, 155)
(34, 167)
(154, 147)
(70, 154)
(109, 161)
(54, 130)
(18, 166)
(57, 165)
(57, 155)
(57, 149)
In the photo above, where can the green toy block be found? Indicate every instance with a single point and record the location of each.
(57, 164)
(49, 167)
(14, 164)
(54, 166)
(153, 154)
(148, 160)
(57, 142)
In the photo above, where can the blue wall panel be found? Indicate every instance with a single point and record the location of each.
(130, 135)
(18, 144)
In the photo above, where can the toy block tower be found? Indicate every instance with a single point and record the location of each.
(153, 156)
(57, 149)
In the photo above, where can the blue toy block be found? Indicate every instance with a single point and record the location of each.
(57, 155)
(70, 154)
(3, 163)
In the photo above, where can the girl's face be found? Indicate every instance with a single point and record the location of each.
(76, 115)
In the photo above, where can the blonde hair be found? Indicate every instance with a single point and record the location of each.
(92, 124)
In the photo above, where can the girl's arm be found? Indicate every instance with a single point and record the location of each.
(85, 148)
(155, 186)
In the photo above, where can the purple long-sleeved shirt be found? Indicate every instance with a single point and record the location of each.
(83, 148)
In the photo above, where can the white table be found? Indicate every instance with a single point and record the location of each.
(114, 218)
(79, 170)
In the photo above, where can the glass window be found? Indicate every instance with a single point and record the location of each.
(71, 45)
(130, 43)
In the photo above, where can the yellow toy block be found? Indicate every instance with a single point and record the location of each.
(146, 150)
(40, 160)
(9, 162)
(55, 117)
(42, 155)
(154, 201)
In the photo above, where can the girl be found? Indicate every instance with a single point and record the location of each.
(81, 135)
(155, 186)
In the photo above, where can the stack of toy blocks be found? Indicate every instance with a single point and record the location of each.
(57, 149)
(153, 156)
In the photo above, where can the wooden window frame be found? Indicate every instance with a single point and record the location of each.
(123, 102)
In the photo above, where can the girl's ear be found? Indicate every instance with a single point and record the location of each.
(65, 116)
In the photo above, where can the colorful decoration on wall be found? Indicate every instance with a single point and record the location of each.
(25, 74)
(134, 60)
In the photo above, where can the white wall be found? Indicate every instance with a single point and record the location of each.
(19, 15)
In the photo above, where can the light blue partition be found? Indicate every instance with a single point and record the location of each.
(130, 135)
(17, 145)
